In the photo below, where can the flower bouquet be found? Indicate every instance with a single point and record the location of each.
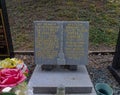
(13, 73)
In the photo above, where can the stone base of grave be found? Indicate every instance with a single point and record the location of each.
(75, 82)
(115, 73)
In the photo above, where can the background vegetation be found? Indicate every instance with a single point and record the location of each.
(103, 15)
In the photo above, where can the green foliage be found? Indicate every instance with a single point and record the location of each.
(7, 93)
(99, 36)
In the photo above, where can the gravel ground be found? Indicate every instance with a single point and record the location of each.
(97, 69)
(99, 73)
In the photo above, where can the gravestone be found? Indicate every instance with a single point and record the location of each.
(61, 43)
(6, 48)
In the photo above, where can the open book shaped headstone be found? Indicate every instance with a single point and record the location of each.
(61, 42)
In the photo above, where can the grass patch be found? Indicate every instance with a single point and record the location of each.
(99, 36)
(104, 18)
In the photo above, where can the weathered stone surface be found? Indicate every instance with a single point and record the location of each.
(61, 42)
(77, 82)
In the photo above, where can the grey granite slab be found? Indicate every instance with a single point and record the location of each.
(61, 42)
(75, 82)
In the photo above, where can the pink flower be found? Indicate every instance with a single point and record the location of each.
(11, 77)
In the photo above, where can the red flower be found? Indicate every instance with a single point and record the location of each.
(11, 77)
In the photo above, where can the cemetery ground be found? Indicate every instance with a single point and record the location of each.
(97, 69)
(102, 15)
(104, 22)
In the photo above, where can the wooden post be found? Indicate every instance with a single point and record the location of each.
(6, 47)
(116, 59)
(115, 68)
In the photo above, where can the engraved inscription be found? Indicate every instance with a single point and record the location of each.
(61, 42)
(47, 42)
(74, 40)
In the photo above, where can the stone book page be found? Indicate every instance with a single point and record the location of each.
(76, 42)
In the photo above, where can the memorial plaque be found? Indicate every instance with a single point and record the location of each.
(6, 49)
(61, 42)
